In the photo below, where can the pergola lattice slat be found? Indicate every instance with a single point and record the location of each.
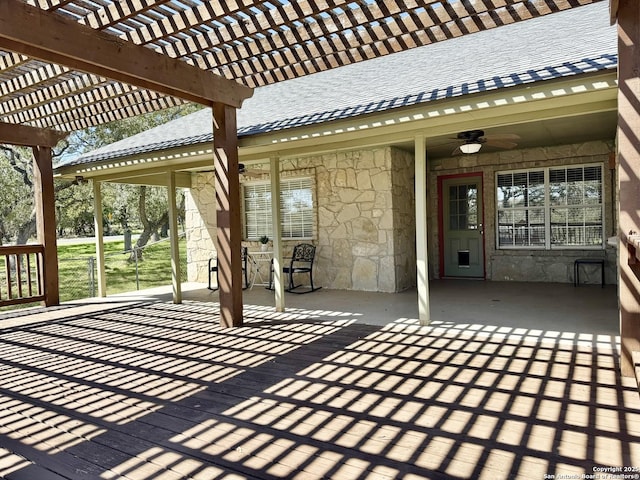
(77, 46)
(253, 42)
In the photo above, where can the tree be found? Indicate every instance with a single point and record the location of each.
(129, 205)
(74, 208)
(143, 206)
(153, 214)
(17, 217)
(89, 139)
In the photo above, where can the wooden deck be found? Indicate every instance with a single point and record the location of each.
(158, 391)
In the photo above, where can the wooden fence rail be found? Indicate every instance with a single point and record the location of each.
(21, 274)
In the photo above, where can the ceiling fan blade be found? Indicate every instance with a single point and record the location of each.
(443, 144)
(457, 151)
(492, 142)
(503, 136)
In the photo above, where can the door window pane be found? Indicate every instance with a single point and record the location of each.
(463, 207)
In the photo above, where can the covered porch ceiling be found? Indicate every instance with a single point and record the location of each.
(548, 132)
(44, 79)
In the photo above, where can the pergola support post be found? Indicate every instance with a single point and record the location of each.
(45, 206)
(628, 177)
(228, 215)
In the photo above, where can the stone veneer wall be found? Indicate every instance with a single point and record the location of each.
(200, 225)
(404, 218)
(527, 265)
(365, 230)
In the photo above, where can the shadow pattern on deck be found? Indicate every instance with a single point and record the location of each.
(160, 391)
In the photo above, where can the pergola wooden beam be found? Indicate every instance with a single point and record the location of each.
(93, 107)
(229, 223)
(29, 136)
(41, 141)
(45, 203)
(53, 38)
(613, 11)
(628, 175)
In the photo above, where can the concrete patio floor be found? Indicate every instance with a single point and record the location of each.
(509, 381)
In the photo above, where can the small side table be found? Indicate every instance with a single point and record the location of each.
(586, 261)
(261, 261)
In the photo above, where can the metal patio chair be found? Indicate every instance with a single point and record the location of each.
(213, 268)
(301, 262)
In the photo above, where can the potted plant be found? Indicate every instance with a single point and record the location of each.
(264, 240)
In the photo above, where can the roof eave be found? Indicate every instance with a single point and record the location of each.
(564, 96)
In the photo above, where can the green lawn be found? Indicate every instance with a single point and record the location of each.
(154, 270)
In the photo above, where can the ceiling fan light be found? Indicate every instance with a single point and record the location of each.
(473, 147)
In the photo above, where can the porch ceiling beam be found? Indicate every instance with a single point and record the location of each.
(53, 38)
(29, 136)
(180, 159)
(156, 179)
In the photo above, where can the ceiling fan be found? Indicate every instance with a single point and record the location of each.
(474, 139)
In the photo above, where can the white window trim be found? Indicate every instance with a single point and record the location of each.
(547, 211)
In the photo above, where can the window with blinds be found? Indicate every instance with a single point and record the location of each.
(257, 211)
(575, 197)
(550, 208)
(521, 212)
(296, 209)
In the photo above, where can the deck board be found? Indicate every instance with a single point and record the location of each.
(160, 391)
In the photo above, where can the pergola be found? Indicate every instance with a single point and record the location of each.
(67, 65)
